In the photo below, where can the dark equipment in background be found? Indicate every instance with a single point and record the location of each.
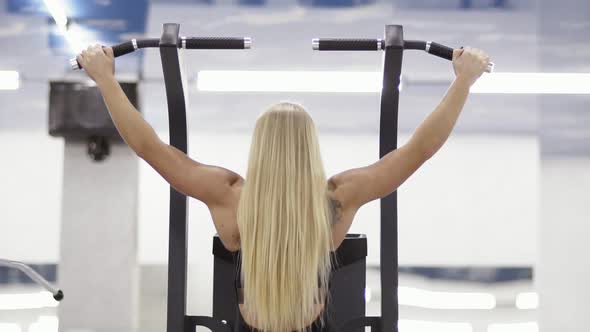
(77, 111)
(57, 293)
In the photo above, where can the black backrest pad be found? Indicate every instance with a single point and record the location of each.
(347, 281)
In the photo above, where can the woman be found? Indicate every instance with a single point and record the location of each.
(286, 217)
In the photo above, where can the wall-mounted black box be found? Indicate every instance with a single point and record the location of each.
(77, 110)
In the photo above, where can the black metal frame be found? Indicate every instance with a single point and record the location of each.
(177, 238)
(177, 320)
(388, 126)
(393, 45)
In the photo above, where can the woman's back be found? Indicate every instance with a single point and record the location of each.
(318, 321)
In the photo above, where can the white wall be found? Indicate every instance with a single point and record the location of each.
(31, 166)
(562, 272)
(474, 203)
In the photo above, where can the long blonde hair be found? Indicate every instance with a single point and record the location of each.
(284, 219)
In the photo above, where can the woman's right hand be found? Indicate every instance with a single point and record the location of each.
(470, 63)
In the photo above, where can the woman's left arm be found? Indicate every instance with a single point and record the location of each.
(209, 184)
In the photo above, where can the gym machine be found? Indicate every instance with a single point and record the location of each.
(347, 309)
(57, 293)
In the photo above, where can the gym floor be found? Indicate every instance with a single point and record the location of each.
(492, 230)
(427, 303)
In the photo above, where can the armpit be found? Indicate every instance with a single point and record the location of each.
(336, 209)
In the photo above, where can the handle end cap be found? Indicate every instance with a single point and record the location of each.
(74, 64)
(59, 296)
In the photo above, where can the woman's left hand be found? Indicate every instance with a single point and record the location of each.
(98, 62)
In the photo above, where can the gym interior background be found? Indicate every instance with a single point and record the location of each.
(492, 231)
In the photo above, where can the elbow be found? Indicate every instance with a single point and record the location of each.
(142, 150)
(429, 151)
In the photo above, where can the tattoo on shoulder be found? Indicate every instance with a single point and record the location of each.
(336, 210)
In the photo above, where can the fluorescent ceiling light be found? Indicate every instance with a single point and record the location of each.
(57, 9)
(371, 82)
(406, 325)
(289, 81)
(527, 300)
(514, 327)
(27, 301)
(9, 80)
(444, 300)
(533, 83)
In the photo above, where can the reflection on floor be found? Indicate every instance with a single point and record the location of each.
(425, 305)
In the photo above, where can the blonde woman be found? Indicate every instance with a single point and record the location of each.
(286, 216)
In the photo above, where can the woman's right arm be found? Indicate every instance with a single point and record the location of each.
(354, 188)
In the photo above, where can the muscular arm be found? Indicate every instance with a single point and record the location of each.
(358, 186)
(354, 188)
(215, 186)
(208, 184)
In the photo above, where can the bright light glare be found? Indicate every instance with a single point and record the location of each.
(44, 324)
(533, 83)
(9, 80)
(406, 325)
(78, 38)
(289, 81)
(57, 10)
(514, 327)
(445, 300)
(368, 294)
(9, 327)
(38, 300)
(527, 300)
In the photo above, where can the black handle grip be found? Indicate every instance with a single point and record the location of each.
(125, 48)
(216, 43)
(446, 52)
(440, 50)
(414, 45)
(118, 50)
(189, 43)
(335, 44)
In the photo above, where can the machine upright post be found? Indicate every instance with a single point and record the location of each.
(177, 252)
(388, 126)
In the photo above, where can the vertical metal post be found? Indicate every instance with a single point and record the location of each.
(177, 252)
(392, 67)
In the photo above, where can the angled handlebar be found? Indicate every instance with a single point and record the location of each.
(58, 295)
(201, 43)
(341, 44)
